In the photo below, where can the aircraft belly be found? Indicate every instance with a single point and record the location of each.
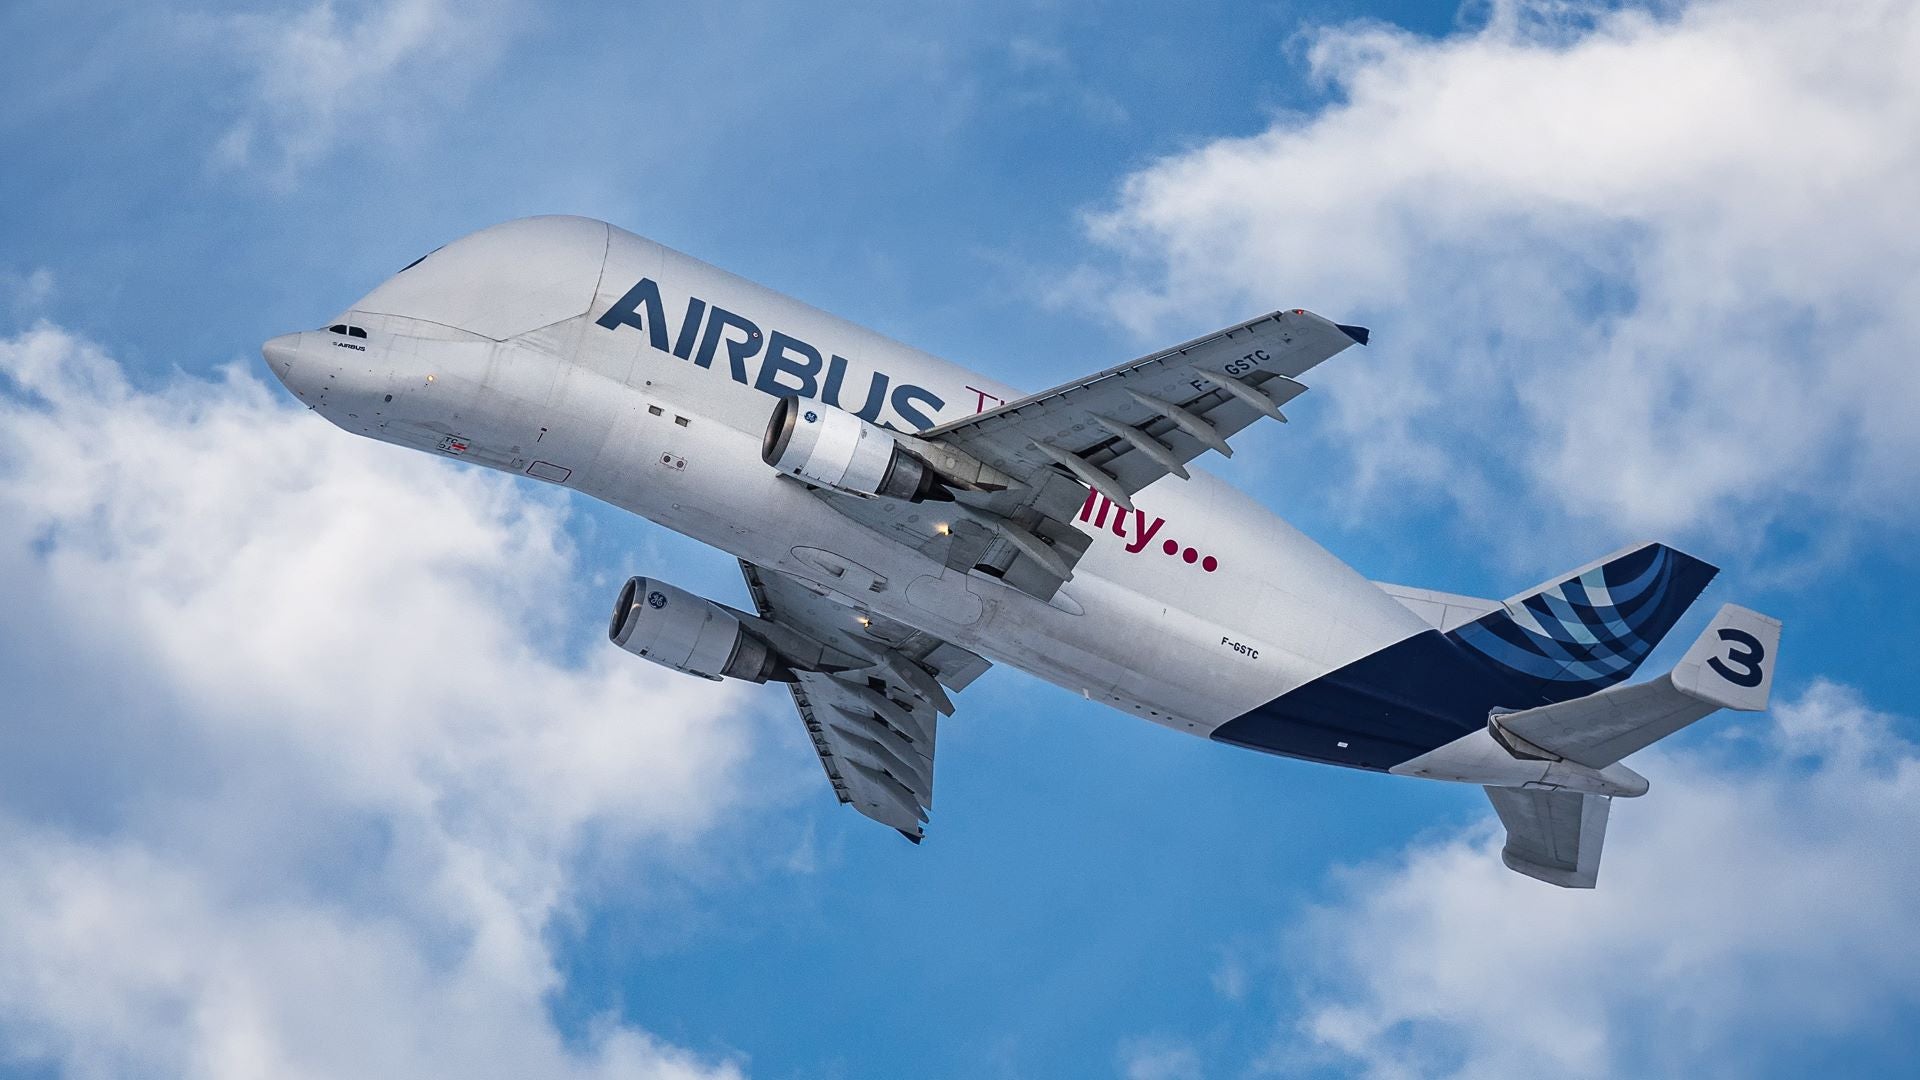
(1172, 641)
(1261, 610)
(1121, 649)
(1116, 633)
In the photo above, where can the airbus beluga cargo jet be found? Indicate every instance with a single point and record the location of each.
(903, 523)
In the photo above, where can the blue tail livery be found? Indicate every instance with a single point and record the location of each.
(1591, 628)
(1576, 635)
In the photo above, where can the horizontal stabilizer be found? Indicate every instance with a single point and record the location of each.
(1552, 835)
(1730, 666)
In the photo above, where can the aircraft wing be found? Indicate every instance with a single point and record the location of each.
(873, 723)
(1123, 428)
(1114, 432)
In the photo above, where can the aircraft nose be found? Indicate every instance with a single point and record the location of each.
(279, 352)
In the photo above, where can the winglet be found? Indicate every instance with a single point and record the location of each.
(1357, 333)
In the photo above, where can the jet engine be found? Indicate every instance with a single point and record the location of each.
(834, 448)
(674, 628)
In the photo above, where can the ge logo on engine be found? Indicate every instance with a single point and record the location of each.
(656, 599)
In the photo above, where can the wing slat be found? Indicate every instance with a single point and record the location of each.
(1123, 429)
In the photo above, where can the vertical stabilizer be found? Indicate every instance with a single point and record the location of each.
(1589, 629)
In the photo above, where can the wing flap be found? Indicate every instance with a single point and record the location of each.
(874, 717)
(1118, 431)
(1179, 398)
(1022, 471)
(874, 764)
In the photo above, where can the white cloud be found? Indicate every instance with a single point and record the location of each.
(1159, 1059)
(1759, 898)
(320, 74)
(1044, 76)
(296, 767)
(27, 293)
(1664, 265)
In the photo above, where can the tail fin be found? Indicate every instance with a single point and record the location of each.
(1591, 628)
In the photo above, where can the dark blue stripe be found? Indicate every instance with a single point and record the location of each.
(1432, 688)
(1397, 704)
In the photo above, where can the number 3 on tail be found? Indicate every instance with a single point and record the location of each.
(1742, 665)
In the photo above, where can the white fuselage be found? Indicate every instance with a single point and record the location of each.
(1193, 609)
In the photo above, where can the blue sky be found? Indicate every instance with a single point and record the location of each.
(315, 762)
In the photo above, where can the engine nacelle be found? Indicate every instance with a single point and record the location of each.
(674, 628)
(834, 448)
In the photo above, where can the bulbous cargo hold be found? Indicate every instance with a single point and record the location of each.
(836, 449)
(676, 629)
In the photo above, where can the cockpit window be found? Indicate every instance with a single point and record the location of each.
(348, 331)
(418, 261)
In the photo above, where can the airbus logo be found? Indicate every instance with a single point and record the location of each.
(788, 367)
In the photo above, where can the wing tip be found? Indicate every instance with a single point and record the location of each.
(1357, 333)
(1576, 877)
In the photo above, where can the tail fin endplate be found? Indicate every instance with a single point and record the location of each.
(1731, 664)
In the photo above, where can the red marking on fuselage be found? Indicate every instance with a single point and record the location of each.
(981, 405)
(1097, 509)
